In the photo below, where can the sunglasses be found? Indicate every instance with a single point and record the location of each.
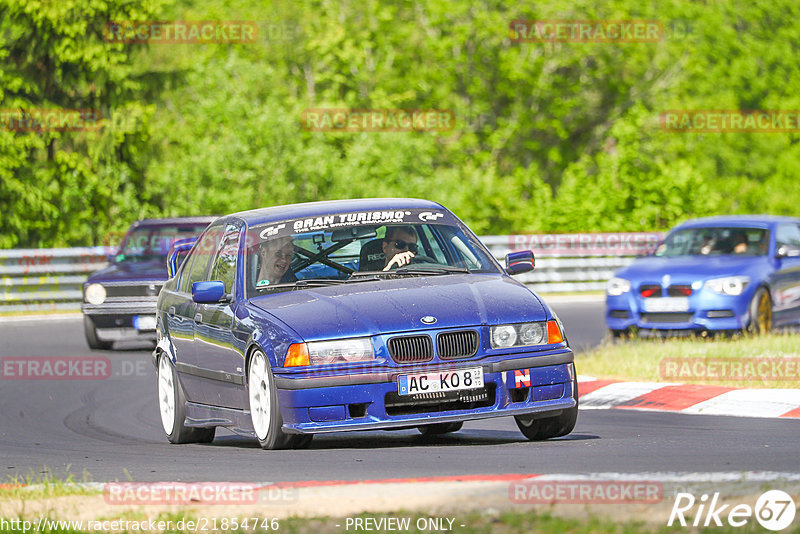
(399, 244)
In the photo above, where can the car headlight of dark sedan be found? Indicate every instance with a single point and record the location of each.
(729, 285)
(356, 349)
(525, 334)
(94, 294)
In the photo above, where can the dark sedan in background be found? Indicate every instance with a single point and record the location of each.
(712, 274)
(119, 302)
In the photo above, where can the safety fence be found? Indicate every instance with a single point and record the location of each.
(51, 279)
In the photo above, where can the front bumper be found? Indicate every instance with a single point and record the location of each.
(114, 321)
(541, 385)
(707, 311)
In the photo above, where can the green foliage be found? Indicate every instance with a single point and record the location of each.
(548, 137)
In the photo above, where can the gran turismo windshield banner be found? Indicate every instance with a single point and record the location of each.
(356, 218)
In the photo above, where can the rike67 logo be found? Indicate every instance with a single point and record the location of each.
(774, 510)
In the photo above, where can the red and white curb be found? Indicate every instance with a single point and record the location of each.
(688, 398)
(736, 477)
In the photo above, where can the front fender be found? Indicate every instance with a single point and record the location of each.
(269, 334)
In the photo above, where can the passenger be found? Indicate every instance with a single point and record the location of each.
(707, 245)
(275, 257)
(739, 242)
(399, 246)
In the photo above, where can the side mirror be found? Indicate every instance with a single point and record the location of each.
(209, 292)
(111, 254)
(519, 262)
(178, 247)
(787, 251)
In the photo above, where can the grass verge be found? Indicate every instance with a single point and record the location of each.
(771, 361)
(511, 522)
(44, 486)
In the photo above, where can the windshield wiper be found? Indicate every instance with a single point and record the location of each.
(442, 269)
(318, 282)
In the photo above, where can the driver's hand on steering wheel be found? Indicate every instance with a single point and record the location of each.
(400, 259)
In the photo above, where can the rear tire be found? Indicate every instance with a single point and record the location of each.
(90, 331)
(265, 413)
(172, 407)
(550, 427)
(760, 313)
(440, 428)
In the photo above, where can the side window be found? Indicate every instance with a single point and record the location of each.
(224, 267)
(196, 265)
(788, 234)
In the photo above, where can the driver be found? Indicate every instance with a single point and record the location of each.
(275, 257)
(399, 246)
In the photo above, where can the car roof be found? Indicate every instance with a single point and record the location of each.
(737, 221)
(314, 209)
(175, 220)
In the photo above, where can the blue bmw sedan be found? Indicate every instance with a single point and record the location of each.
(289, 321)
(712, 274)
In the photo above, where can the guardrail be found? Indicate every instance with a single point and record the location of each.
(46, 279)
(50, 279)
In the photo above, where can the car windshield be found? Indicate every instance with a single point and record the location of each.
(715, 242)
(280, 259)
(154, 242)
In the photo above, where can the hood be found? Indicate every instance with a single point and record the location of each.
(689, 268)
(132, 270)
(388, 306)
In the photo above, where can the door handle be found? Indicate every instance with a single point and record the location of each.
(171, 310)
(198, 317)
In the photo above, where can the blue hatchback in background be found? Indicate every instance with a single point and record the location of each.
(368, 314)
(712, 274)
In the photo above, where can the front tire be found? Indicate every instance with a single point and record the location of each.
(265, 413)
(172, 407)
(760, 313)
(90, 331)
(550, 427)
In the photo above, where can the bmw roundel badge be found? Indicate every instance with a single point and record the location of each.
(428, 319)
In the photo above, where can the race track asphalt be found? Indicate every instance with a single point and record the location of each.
(110, 430)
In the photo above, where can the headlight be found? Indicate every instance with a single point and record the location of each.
(525, 334)
(730, 285)
(503, 336)
(94, 294)
(324, 352)
(618, 286)
(532, 333)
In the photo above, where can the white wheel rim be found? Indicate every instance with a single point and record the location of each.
(260, 395)
(166, 395)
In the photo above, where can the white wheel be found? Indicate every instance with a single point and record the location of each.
(172, 407)
(264, 410)
(260, 395)
(166, 395)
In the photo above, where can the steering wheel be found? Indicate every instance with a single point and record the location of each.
(421, 258)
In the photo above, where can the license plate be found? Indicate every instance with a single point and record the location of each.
(462, 379)
(144, 322)
(666, 304)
